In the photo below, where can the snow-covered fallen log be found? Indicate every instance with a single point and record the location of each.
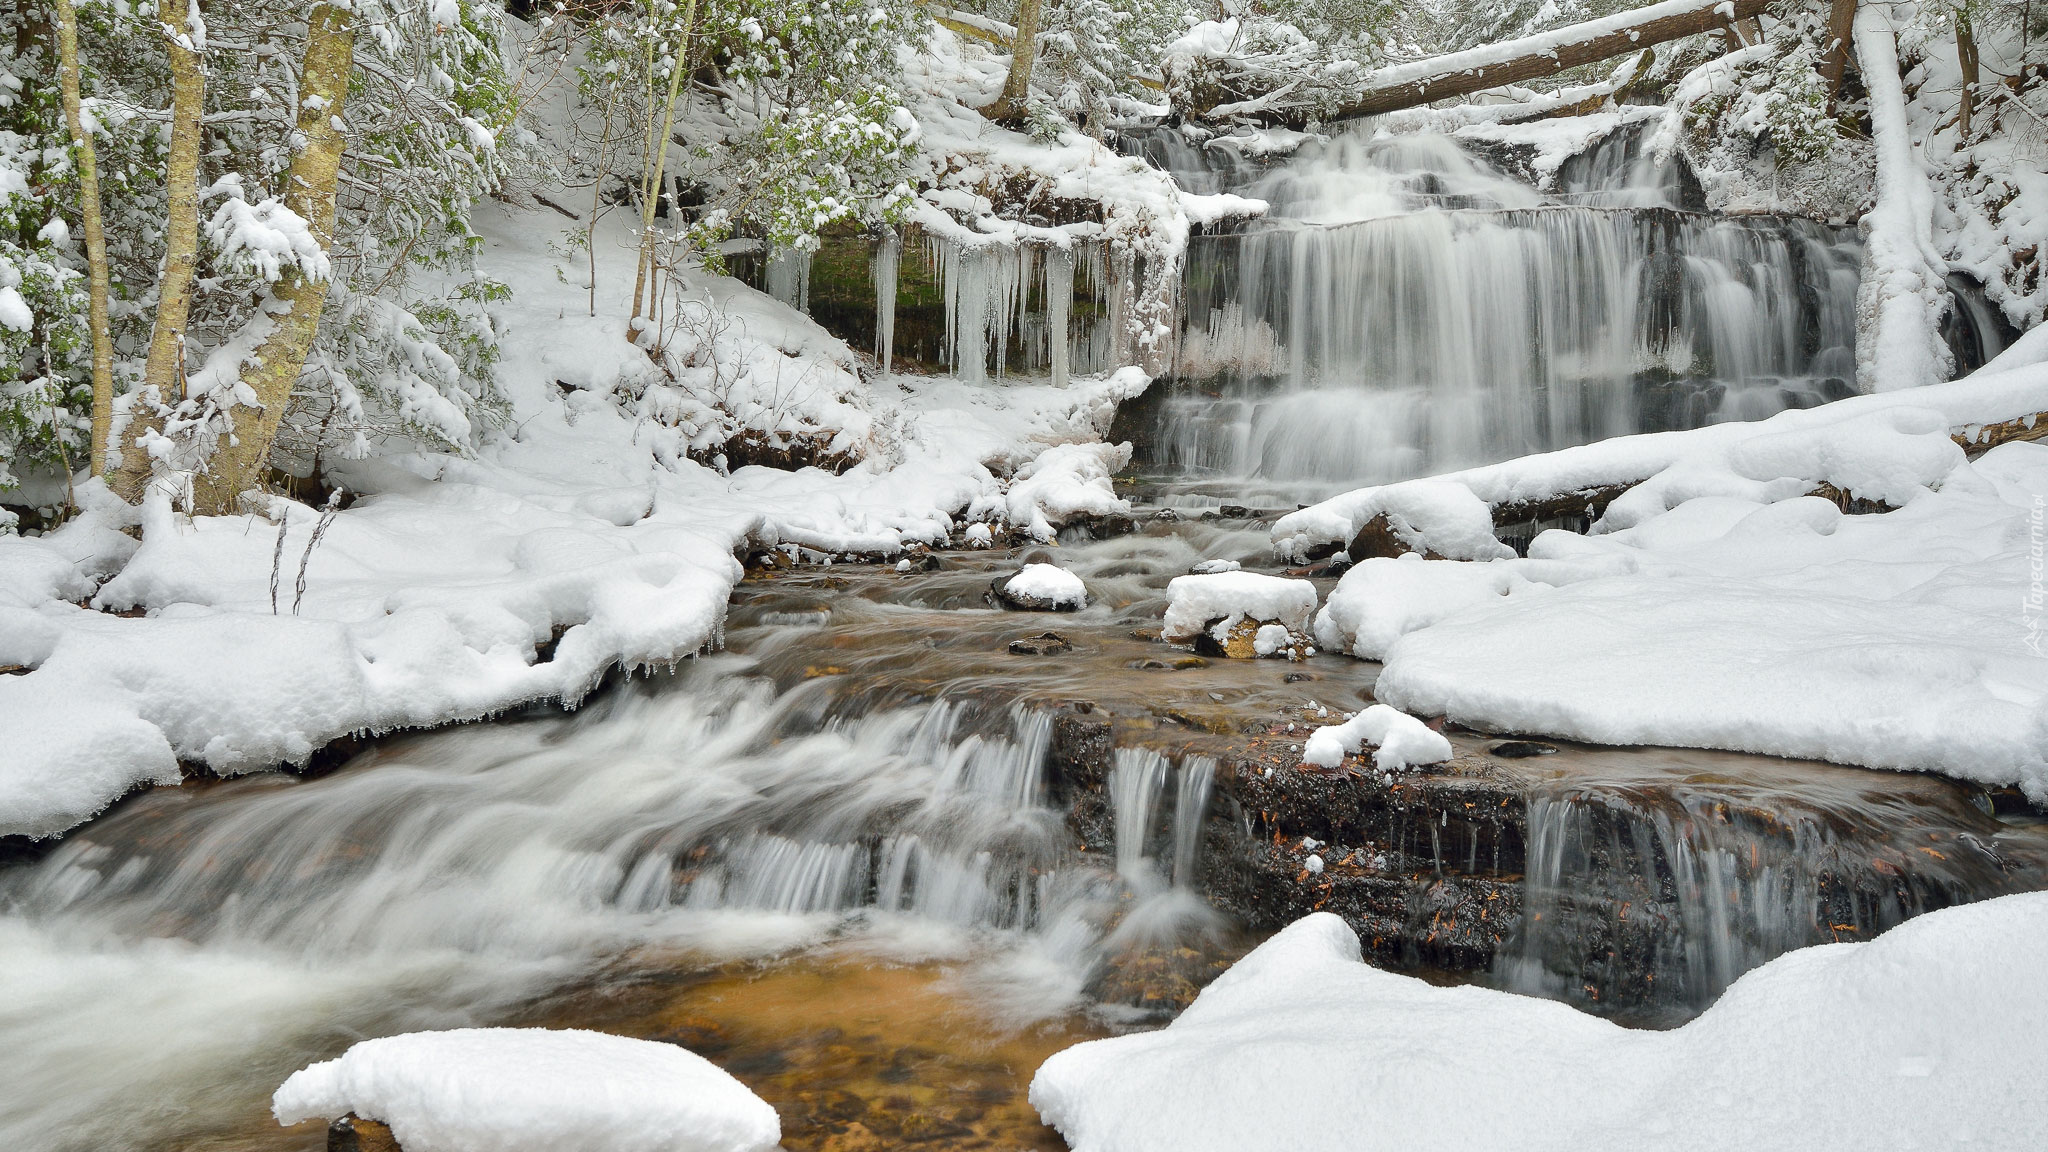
(1927, 1036)
(1419, 82)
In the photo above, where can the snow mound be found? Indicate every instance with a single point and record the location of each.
(1379, 600)
(1066, 481)
(513, 1089)
(1195, 602)
(1403, 741)
(1434, 517)
(1048, 583)
(1886, 1044)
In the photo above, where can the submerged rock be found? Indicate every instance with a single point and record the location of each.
(1043, 644)
(1522, 749)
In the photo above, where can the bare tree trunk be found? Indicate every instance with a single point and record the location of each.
(95, 233)
(654, 165)
(165, 366)
(274, 368)
(1841, 25)
(1023, 60)
(1966, 56)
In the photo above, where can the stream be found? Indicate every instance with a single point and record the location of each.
(892, 846)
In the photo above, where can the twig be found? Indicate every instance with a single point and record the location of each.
(319, 530)
(284, 523)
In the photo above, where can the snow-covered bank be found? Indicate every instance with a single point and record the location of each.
(1885, 1044)
(1716, 604)
(508, 1089)
(583, 538)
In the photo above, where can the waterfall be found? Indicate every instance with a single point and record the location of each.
(1407, 309)
(888, 264)
(1190, 804)
(1666, 897)
(1137, 777)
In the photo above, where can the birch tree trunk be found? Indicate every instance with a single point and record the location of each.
(165, 366)
(1023, 60)
(654, 166)
(95, 232)
(296, 301)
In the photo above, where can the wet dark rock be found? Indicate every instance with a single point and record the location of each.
(352, 1133)
(1522, 749)
(1297, 677)
(1235, 512)
(1377, 538)
(1043, 644)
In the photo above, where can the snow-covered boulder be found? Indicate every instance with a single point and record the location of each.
(1403, 742)
(1234, 609)
(515, 1089)
(1043, 588)
(1441, 520)
(1927, 1037)
(1065, 483)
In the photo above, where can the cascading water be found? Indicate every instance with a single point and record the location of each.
(1406, 308)
(1656, 900)
(452, 877)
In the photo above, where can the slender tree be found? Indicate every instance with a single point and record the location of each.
(1023, 59)
(296, 298)
(95, 232)
(661, 114)
(164, 368)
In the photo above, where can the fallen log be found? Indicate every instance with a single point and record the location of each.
(1421, 82)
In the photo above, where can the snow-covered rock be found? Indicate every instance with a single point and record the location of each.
(1218, 602)
(1718, 605)
(1439, 519)
(1927, 1037)
(1044, 588)
(1401, 741)
(1377, 601)
(1065, 482)
(514, 1089)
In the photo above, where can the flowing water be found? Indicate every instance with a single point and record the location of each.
(1406, 307)
(857, 859)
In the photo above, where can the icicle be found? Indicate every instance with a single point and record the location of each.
(888, 263)
(1059, 305)
(789, 278)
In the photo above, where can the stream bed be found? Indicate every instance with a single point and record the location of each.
(879, 866)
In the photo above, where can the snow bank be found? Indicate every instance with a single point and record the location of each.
(1193, 602)
(1961, 406)
(1403, 741)
(1926, 1037)
(1381, 599)
(1050, 584)
(583, 539)
(513, 1089)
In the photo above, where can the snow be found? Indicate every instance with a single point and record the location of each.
(1193, 602)
(1051, 583)
(1380, 599)
(511, 1089)
(1904, 291)
(1403, 742)
(428, 600)
(1885, 1044)
(1436, 517)
(1986, 397)
(1718, 605)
